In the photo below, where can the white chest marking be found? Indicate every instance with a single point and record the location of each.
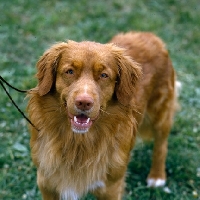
(96, 185)
(69, 195)
(72, 195)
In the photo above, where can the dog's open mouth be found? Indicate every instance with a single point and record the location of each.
(81, 123)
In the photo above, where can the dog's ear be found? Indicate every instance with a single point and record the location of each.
(46, 67)
(129, 73)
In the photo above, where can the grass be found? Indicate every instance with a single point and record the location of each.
(27, 28)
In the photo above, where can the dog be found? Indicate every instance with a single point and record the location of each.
(91, 102)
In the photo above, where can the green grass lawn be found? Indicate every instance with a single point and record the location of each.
(27, 28)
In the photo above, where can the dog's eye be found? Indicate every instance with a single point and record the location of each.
(70, 71)
(104, 75)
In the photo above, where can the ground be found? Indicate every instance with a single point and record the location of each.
(27, 28)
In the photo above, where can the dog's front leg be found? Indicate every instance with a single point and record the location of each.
(48, 195)
(47, 192)
(112, 190)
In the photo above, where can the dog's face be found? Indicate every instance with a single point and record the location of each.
(87, 76)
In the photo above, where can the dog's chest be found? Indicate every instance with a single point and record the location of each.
(71, 184)
(71, 176)
(70, 194)
(73, 170)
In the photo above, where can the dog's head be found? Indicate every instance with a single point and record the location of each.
(87, 76)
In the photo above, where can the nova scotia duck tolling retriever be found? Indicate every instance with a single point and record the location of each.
(91, 102)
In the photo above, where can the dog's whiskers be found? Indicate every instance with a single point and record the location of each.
(136, 111)
(103, 111)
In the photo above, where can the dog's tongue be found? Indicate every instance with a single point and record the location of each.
(80, 123)
(81, 119)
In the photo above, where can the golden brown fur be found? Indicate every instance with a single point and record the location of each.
(103, 85)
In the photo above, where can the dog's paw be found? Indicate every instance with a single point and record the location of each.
(151, 182)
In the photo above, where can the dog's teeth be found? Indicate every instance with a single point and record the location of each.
(88, 120)
(75, 118)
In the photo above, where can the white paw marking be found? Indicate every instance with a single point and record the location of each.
(155, 182)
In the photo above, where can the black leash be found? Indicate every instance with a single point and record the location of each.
(2, 80)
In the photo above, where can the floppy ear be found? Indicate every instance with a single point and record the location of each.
(128, 74)
(46, 68)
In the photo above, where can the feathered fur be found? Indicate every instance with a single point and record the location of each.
(70, 164)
